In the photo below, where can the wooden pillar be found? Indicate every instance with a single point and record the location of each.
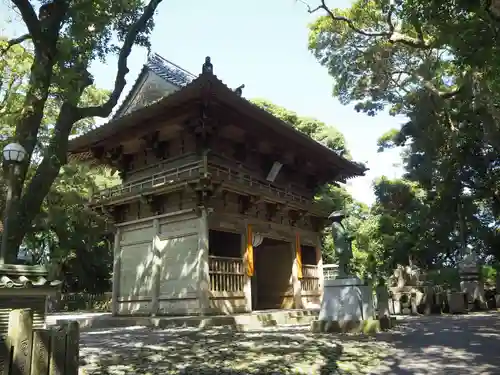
(296, 285)
(247, 280)
(319, 263)
(156, 272)
(203, 270)
(116, 271)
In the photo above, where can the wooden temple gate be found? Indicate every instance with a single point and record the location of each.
(198, 161)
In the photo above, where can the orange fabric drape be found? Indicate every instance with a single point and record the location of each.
(298, 255)
(249, 252)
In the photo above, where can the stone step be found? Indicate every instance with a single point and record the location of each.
(241, 322)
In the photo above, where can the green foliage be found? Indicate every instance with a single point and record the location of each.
(317, 130)
(54, 94)
(447, 277)
(65, 234)
(437, 64)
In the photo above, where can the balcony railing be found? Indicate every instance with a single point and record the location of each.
(163, 178)
(237, 176)
(195, 169)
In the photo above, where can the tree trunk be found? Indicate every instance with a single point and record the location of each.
(24, 210)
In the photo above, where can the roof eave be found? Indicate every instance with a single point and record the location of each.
(340, 161)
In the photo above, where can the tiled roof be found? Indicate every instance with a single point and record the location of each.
(18, 276)
(28, 282)
(191, 86)
(164, 69)
(169, 71)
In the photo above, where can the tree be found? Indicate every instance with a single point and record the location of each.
(65, 235)
(437, 64)
(66, 37)
(71, 238)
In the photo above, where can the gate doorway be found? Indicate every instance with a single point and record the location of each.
(272, 281)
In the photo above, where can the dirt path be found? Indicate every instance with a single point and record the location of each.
(448, 345)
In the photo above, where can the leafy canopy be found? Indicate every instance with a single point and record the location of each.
(66, 37)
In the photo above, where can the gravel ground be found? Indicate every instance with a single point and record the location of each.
(283, 350)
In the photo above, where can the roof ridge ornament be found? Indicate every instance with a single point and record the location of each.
(239, 90)
(207, 66)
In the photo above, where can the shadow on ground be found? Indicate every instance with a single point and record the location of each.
(291, 350)
(451, 345)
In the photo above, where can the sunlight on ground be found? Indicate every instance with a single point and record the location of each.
(284, 350)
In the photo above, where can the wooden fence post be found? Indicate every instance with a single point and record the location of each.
(19, 337)
(40, 353)
(57, 351)
(28, 351)
(72, 348)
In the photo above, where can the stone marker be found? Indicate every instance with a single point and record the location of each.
(457, 302)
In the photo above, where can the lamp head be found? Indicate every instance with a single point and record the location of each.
(14, 153)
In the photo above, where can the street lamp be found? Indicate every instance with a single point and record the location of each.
(13, 155)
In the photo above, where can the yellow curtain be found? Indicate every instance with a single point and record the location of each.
(249, 252)
(298, 255)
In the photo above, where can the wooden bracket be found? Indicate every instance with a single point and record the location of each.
(249, 203)
(155, 145)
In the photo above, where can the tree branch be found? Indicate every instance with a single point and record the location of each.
(105, 109)
(31, 20)
(14, 42)
(391, 34)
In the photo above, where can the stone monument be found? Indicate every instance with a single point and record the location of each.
(404, 290)
(470, 282)
(347, 303)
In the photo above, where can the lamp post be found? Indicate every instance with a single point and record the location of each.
(13, 155)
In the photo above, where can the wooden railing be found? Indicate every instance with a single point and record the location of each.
(193, 169)
(163, 178)
(226, 275)
(330, 271)
(310, 278)
(235, 175)
(28, 351)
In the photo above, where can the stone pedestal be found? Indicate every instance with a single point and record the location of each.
(470, 283)
(474, 289)
(346, 300)
(25, 287)
(497, 301)
(383, 302)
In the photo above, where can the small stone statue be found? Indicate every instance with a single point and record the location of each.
(239, 90)
(207, 66)
(342, 240)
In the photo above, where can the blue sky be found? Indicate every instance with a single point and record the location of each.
(262, 44)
